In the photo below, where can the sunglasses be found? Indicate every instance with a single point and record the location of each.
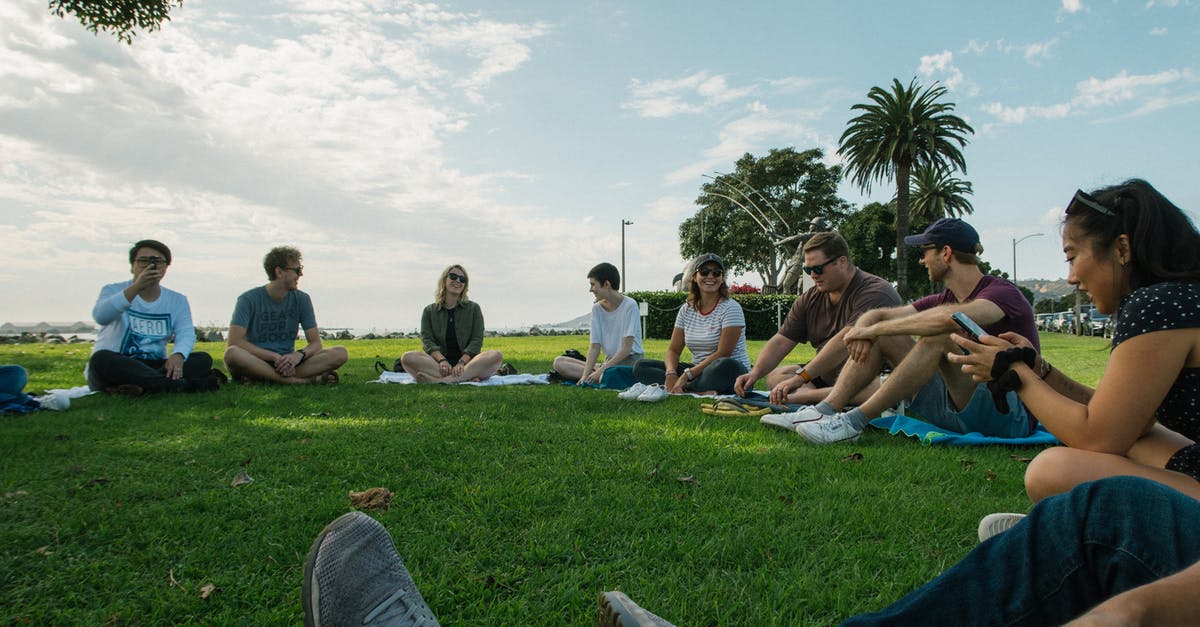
(150, 261)
(454, 276)
(1084, 199)
(818, 269)
(710, 272)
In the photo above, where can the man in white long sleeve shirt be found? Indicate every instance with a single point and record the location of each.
(138, 319)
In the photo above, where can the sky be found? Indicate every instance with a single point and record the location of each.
(388, 139)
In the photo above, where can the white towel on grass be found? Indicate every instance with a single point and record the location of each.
(507, 379)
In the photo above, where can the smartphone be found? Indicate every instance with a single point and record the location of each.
(970, 329)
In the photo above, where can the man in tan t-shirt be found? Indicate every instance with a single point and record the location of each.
(820, 316)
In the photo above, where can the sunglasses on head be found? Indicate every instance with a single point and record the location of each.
(710, 272)
(454, 276)
(818, 269)
(1082, 198)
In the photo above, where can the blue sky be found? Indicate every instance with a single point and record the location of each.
(388, 139)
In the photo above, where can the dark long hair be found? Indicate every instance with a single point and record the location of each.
(1164, 243)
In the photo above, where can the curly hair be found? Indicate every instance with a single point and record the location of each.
(280, 257)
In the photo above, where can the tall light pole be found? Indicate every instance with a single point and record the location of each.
(1015, 242)
(624, 281)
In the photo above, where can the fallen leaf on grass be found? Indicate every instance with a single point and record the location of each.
(241, 479)
(853, 457)
(207, 590)
(372, 498)
(13, 495)
(653, 473)
(44, 550)
(320, 414)
(1019, 458)
(215, 417)
(991, 475)
(967, 464)
(95, 482)
(688, 479)
(171, 579)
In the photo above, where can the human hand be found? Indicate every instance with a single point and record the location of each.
(983, 353)
(743, 383)
(148, 277)
(173, 367)
(458, 369)
(284, 364)
(676, 386)
(780, 392)
(595, 376)
(443, 368)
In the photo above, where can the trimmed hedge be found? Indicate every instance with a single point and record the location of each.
(764, 312)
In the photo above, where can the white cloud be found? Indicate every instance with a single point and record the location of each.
(975, 47)
(1095, 92)
(1022, 114)
(695, 93)
(748, 134)
(1149, 91)
(1072, 6)
(671, 209)
(1033, 53)
(1160, 31)
(941, 66)
(1162, 3)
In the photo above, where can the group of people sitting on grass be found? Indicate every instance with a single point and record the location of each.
(1134, 252)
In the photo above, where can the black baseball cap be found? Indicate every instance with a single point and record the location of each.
(708, 258)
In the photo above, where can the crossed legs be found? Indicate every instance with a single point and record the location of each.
(242, 363)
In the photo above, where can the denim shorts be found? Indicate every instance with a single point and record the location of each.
(932, 404)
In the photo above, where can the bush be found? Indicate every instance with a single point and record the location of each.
(764, 312)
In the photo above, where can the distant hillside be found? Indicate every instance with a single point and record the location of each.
(1044, 288)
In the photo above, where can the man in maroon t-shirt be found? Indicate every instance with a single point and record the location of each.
(944, 395)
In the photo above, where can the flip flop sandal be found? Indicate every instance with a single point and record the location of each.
(730, 407)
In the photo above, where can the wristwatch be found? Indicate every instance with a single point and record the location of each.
(687, 372)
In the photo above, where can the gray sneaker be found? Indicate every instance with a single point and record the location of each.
(618, 610)
(354, 576)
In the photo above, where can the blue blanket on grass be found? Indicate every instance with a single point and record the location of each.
(929, 434)
(614, 378)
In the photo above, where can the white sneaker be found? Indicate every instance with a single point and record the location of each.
(788, 420)
(653, 394)
(995, 524)
(632, 392)
(828, 430)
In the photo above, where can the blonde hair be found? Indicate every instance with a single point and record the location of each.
(439, 295)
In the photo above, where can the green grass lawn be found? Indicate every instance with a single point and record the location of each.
(513, 505)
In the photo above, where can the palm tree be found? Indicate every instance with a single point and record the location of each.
(897, 131)
(937, 194)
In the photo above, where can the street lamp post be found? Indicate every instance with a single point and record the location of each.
(1015, 242)
(624, 281)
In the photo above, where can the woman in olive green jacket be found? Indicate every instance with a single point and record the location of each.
(451, 337)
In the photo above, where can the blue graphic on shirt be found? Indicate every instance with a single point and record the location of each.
(147, 335)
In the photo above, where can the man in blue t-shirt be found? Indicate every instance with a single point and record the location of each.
(944, 395)
(262, 333)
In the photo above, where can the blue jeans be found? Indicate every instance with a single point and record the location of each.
(1072, 552)
(980, 415)
(718, 376)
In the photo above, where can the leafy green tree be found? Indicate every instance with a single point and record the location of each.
(896, 132)
(119, 17)
(936, 194)
(745, 215)
(871, 234)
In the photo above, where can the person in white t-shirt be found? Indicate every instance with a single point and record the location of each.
(138, 319)
(713, 327)
(616, 329)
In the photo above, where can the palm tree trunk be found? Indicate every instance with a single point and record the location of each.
(903, 171)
